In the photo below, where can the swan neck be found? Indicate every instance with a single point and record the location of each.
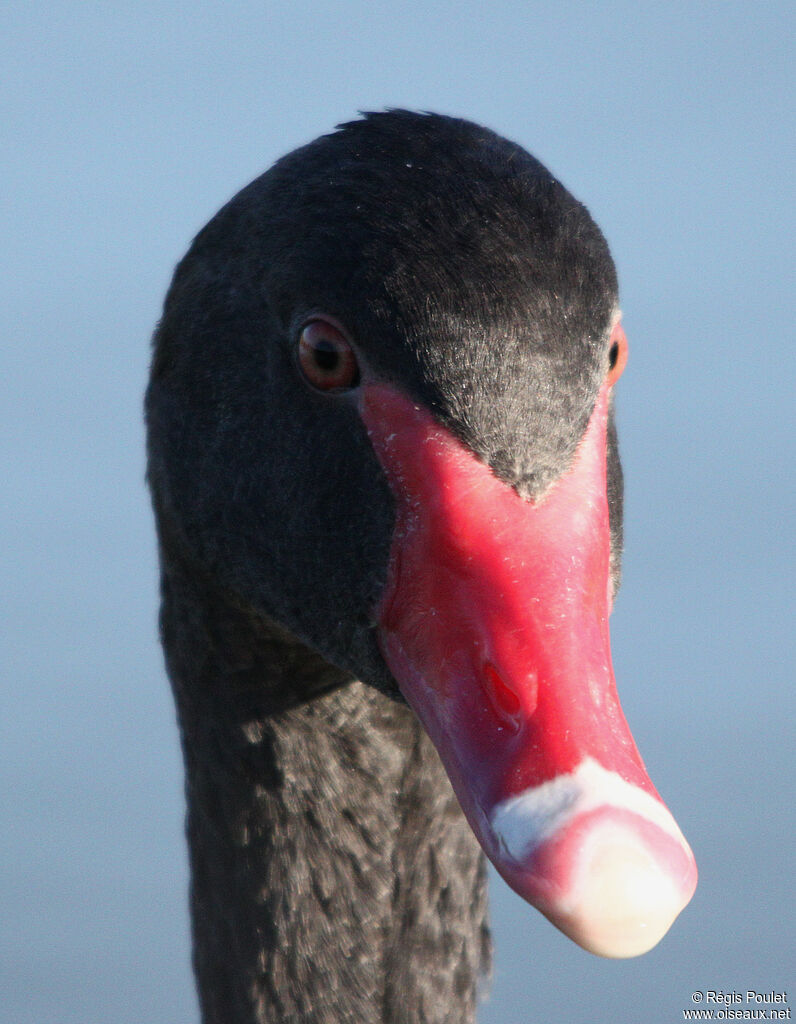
(322, 833)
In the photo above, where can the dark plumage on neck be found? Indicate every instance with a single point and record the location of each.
(333, 876)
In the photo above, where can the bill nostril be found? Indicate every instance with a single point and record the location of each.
(510, 706)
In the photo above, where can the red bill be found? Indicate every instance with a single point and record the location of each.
(494, 622)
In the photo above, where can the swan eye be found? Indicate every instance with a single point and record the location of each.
(326, 357)
(617, 354)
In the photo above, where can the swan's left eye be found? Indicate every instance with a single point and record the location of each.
(326, 357)
(617, 353)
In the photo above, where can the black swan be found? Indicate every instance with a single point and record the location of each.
(389, 504)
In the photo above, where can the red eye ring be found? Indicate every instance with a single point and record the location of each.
(326, 357)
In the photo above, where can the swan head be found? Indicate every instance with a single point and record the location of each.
(380, 416)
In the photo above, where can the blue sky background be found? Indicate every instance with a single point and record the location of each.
(125, 126)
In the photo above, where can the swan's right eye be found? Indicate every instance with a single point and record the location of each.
(326, 358)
